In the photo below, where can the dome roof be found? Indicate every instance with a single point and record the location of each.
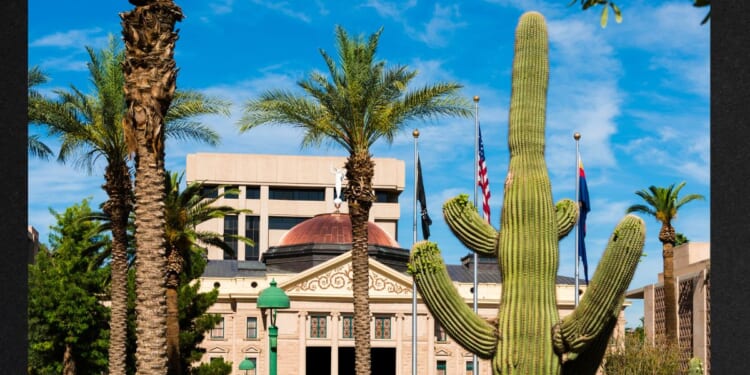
(334, 228)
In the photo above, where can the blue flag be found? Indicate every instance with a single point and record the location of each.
(585, 205)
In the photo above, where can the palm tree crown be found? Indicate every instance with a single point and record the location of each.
(360, 102)
(36, 147)
(663, 203)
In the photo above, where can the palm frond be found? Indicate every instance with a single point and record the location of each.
(38, 149)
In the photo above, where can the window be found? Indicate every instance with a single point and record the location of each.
(296, 194)
(386, 196)
(440, 335)
(209, 191)
(318, 326)
(252, 192)
(280, 222)
(218, 331)
(231, 192)
(347, 327)
(230, 229)
(252, 327)
(382, 327)
(252, 231)
(469, 367)
(441, 368)
(255, 366)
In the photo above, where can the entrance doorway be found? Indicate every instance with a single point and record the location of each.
(383, 361)
(318, 360)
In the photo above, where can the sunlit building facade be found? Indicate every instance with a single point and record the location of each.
(692, 270)
(302, 242)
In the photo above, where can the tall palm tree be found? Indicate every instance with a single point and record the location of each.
(36, 147)
(663, 204)
(89, 126)
(150, 82)
(185, 210)
(361, 102)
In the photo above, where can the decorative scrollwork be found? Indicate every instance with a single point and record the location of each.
(341, 278)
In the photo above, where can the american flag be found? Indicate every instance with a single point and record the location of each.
(483, 181)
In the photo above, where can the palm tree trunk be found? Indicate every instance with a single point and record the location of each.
(667, 237)
(360, 170)
(150, 75)
(174, 268)
(118, 208)
(69, 364)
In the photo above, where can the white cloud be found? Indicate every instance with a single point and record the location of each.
(443, 21)
(284, 8)
(222, 7)
(388, 9)
(65, 63)
(672, 27)
(72, 39)
(676, 143)
(545, 7)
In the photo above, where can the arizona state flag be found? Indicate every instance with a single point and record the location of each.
(426, 221)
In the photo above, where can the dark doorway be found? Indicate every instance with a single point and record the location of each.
(318, 360)
(383, 361)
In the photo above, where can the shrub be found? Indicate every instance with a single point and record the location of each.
(215, 367)
(637, 356)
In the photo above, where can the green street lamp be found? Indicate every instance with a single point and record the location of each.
(273, 298)
(247, 364)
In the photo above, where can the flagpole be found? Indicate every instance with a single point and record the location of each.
(415, 133)
(475, 365)
(577, 137)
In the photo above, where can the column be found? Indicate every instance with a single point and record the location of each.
(399, 342)
(334, 328)
(302, 341)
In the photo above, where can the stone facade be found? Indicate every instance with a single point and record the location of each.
(315, 333)
(692, 266)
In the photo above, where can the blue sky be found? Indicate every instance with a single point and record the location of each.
(638, 92)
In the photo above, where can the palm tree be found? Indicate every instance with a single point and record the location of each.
(150, 82)
(361, 102)
(36, 147)
(90, 129)
(663, 204)
(185, 210)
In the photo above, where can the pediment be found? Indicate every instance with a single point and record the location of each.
(442, 352)
(252, 349)
(333, 279)
(217, 350)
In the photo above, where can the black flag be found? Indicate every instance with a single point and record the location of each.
(426, 221)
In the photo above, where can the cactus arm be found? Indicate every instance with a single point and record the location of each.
(466, 224)
(603, 298)
(567, 215)
(588, 362)
(460, 322)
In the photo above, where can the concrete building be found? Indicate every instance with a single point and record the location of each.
(692, 269)
(303, 243)
(33, 243)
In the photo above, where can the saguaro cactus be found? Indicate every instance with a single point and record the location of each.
(528, 336)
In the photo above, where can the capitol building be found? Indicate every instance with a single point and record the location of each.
(302, 241)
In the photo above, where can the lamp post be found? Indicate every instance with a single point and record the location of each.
(273, 298)
(247, 364)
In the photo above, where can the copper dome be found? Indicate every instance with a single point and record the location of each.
(333, 228)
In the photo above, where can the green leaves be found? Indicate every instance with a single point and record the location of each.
(66, 289)
(360, 101)
(605, 13)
